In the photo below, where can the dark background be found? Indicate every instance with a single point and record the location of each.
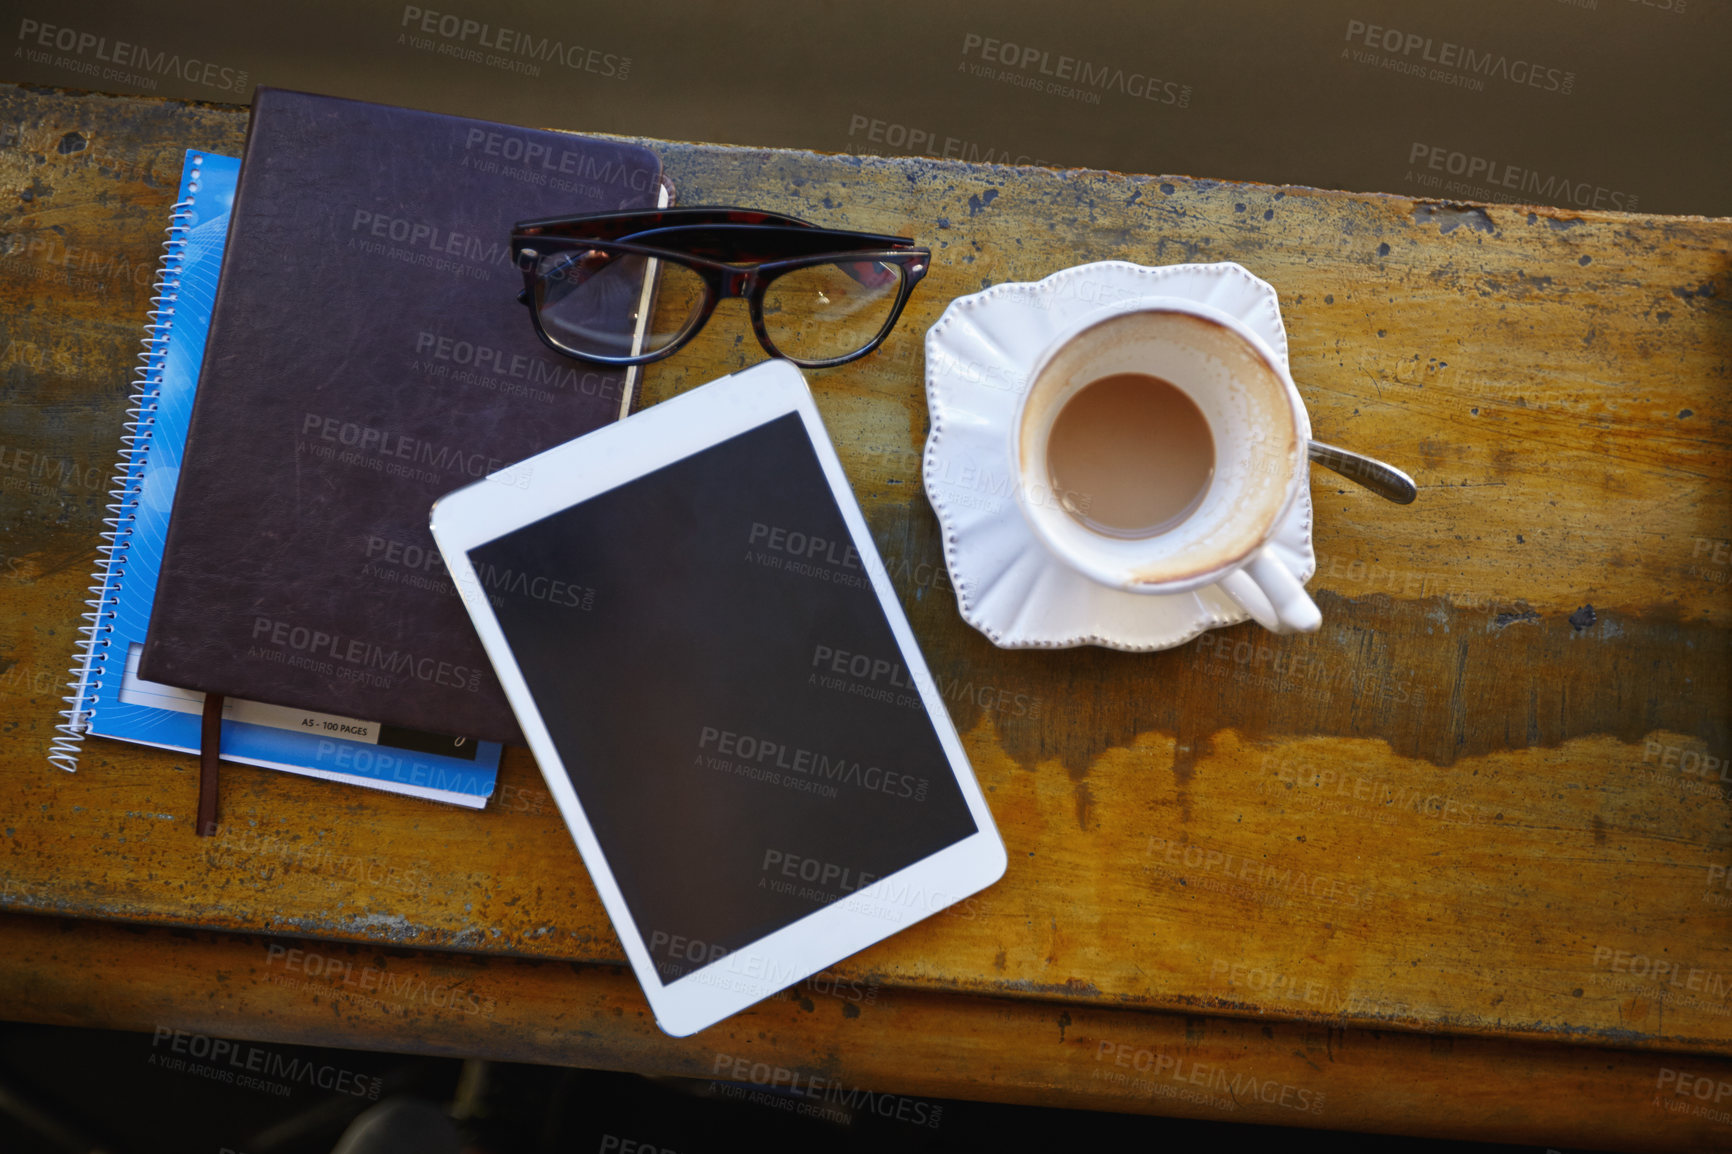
(101, 1083)
(1275, 93)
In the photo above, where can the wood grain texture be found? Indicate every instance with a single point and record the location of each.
(823, 1042)
(1473, 802)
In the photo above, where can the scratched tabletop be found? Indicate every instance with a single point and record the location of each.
(1485, 804)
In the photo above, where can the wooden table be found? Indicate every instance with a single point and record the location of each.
(1457, 864)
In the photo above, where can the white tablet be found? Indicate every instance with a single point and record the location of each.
(707, 658)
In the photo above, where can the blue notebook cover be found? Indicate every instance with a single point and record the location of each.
(110, 700)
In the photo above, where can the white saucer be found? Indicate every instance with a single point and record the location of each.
(1008, 585)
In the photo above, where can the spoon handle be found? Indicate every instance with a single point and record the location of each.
(1384, 480)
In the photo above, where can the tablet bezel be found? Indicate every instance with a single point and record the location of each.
(615, 455)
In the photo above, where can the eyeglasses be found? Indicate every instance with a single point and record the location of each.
(631, 288)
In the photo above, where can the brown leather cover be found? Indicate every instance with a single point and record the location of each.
(367, 355)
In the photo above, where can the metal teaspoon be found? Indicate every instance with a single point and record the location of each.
(1384, 480)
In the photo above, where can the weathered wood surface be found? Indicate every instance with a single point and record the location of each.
(825, 1040)
(1473, 802)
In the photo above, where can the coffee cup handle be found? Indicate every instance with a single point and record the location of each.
(1268, 591)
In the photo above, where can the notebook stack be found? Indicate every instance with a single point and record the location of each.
(338, 342)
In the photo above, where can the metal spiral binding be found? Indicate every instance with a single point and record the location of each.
(91, 654)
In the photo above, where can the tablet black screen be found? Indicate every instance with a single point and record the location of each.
(721, 683)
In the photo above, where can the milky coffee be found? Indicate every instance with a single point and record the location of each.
(1132, 455)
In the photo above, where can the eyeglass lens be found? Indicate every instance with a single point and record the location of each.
(823, 311)
(589, 301)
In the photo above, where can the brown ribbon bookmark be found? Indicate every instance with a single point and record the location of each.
(209, 755)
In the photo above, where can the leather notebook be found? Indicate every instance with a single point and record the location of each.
(367, 354)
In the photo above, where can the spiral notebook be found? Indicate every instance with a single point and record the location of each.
(109, 698)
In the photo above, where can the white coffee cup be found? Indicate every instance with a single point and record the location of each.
(1260, 430)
